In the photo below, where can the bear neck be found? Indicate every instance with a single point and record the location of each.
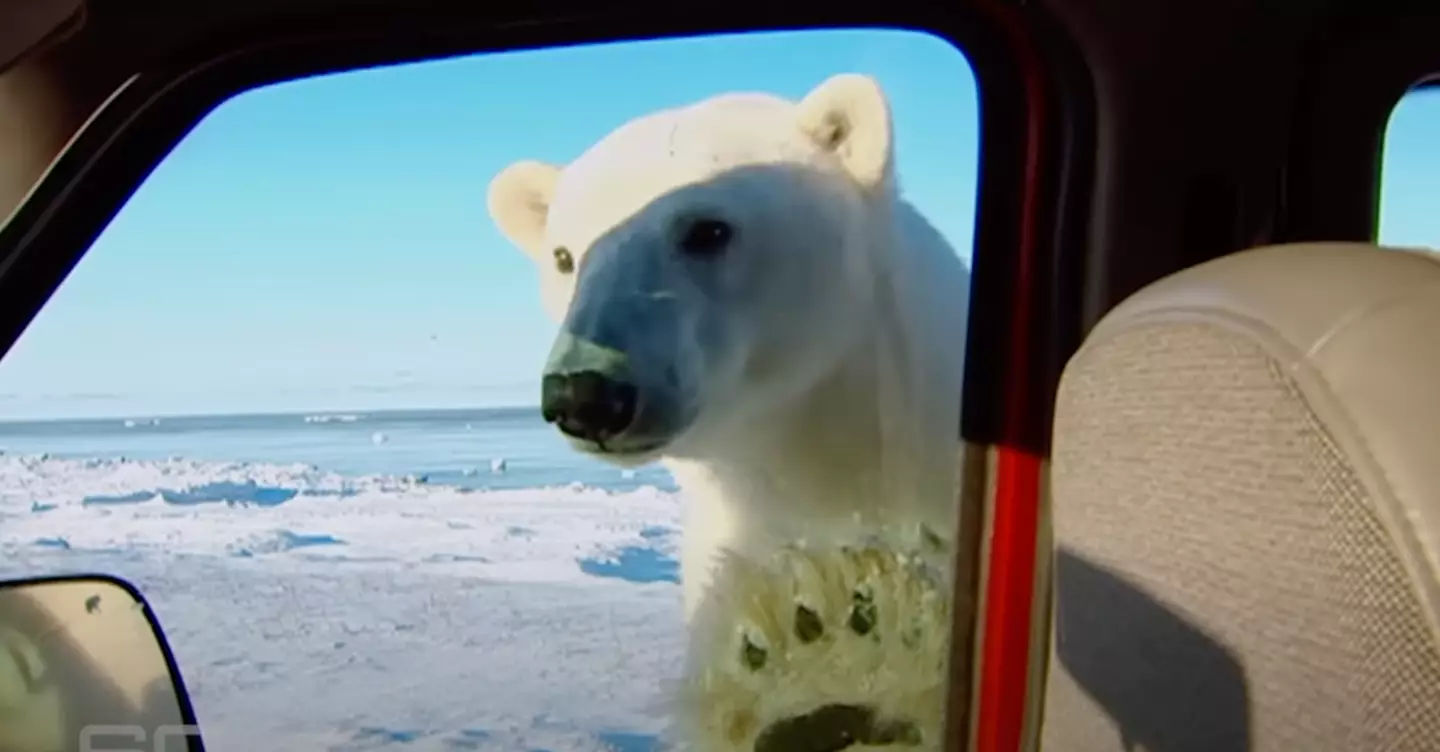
(860, 452)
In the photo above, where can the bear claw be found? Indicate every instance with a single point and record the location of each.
(863, 614)
(753, 655)
(808, 626)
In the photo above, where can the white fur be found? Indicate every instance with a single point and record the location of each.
(749, 667)
(829, 415)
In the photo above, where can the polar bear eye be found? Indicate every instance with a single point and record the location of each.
(706, 237)
(564, 262)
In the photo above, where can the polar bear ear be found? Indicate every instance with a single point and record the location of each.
(848, 115)
(519, 202)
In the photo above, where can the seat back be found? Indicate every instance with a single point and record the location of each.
(1246, 506)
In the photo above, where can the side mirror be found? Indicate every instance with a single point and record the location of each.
(84, 667)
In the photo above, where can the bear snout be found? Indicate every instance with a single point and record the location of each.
(588, 405)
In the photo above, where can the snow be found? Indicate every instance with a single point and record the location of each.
(313, 611)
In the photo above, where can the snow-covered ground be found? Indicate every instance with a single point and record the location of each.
(314, 611)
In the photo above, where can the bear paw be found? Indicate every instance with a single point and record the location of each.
(819, 651)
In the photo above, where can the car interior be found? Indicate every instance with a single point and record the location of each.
(1196, 409)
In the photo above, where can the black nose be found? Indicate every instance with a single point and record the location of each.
(588, 404)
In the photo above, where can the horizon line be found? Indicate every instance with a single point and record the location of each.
(261, 413)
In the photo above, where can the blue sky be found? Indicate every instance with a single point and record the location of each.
(1410, 173)
(324, 244)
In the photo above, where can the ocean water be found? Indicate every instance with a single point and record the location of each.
(456, 579)
(455, 447)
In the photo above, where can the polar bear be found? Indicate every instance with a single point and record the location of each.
(744, 296)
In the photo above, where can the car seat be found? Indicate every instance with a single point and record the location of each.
(1245, 500)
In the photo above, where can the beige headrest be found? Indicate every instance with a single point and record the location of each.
(1358, 328)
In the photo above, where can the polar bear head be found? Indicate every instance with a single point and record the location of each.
(708, 265)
